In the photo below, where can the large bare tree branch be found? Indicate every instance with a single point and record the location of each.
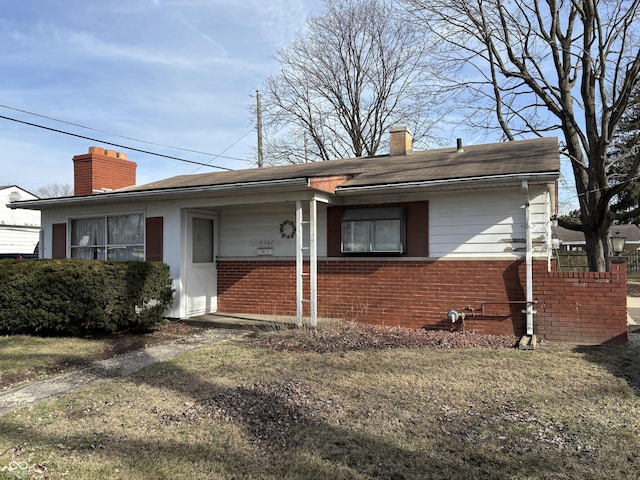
(567, 66)
(356, 70)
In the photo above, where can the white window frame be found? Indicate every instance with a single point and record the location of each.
(365, 222)
(101, 248)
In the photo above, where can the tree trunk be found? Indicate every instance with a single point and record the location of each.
(597, 248)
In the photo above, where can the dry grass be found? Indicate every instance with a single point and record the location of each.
(236, 410)
(24, 358)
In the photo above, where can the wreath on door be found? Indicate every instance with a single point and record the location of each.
(287, 229)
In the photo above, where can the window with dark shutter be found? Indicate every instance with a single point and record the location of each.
(387, 229)
(374, 230)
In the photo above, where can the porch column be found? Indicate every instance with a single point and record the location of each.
(313, 262)
(299, 264)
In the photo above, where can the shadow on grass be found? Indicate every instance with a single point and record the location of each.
(621, 360)
(311, 447)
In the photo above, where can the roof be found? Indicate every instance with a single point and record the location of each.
(631, 232)
(6, 187)
(488, 160)
(492, 164)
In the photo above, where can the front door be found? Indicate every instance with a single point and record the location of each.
(201, 278)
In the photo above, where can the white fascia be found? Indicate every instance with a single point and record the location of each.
(456, 183)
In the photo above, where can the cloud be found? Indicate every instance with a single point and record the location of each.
(176, 72)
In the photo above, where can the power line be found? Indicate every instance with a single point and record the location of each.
(220, 155)
(171, 157)
(124, 136)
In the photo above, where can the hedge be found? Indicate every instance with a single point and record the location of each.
(81, 297)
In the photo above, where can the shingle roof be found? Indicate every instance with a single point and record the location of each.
(539, 155)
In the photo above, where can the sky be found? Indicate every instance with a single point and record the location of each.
(179, 73)
(171, 73)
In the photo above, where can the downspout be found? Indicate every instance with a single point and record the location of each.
(528, 260)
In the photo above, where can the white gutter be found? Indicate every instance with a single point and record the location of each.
(164, 193)
(529, 259)
(470, 182)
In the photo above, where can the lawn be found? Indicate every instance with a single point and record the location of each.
(273, 407)
(26, 358)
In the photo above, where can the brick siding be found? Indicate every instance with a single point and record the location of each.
(571, 307)
(582, 307)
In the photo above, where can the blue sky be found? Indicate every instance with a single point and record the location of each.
(173, 72)
(182, 73)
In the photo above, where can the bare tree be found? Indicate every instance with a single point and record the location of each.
(542, 66)
(625, 149)
(52, 190)
(357, 70)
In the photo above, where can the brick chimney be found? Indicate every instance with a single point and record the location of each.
(102, 170)
(400, 140)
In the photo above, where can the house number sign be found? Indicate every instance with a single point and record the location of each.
(287, 229)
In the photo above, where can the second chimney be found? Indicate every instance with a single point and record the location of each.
(102, 170)
(400, 140)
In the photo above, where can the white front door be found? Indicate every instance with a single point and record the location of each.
(201, 277)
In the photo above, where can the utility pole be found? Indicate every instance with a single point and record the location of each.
(259, 127)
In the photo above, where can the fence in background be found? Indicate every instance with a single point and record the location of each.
(577, 262)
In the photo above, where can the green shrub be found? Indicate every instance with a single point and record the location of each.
(79, 297)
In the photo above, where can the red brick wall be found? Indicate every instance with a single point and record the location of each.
(586, 308)
(581, 307)
(414, 294)
(102, 169)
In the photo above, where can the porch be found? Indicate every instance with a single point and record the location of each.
(246, 321)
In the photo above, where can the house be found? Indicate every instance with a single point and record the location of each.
(456, 238)
(566, 240)
(19, 228)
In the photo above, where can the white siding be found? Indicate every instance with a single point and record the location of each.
(244, 229)
(462, 224)
(18, 239)
(484, 223)
(19, 228)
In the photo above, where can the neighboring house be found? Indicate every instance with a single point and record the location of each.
(19, 228)
(566, 240)
(398, 239)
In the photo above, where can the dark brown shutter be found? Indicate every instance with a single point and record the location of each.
(154, 243)
(417, 229)
(59, 240)
(334, 238)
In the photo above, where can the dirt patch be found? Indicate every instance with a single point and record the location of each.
(117, 344)
(275, 413)
(353, 336)
(633, 289)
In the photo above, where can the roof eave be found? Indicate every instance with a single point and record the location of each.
(290, 184)
(453, 183)
(166, 193)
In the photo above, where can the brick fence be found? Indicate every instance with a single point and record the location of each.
(572, 307)
(583, 307)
